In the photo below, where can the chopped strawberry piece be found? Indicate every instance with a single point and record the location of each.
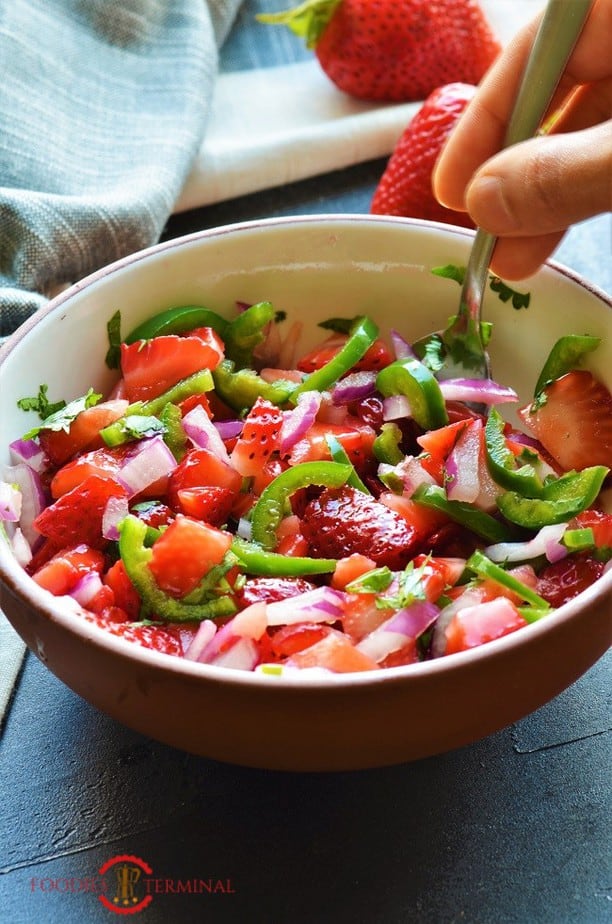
(562, 581)
(185, 552)
(83, 433)
(271, 589)
(199, 468)
(481, 623)
(343, 521)
(574, 421)
(151, 367)
(260, 438)
(166, 639)
(62, 572)
(376, 357)
(335, 652)
(288, 640)
(103, 462)
(76, 518)
(600, 523)
(125, 594)
(210, 503)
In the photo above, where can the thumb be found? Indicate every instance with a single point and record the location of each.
(545, 184)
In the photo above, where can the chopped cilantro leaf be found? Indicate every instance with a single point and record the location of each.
(339, 325)
(41, 404)
(505, 293)
(62, 418)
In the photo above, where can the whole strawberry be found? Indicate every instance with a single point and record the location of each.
(405, 186)
(395, 50)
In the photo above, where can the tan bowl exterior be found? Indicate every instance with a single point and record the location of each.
(351, 721)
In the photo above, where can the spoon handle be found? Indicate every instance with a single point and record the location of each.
(557, 35)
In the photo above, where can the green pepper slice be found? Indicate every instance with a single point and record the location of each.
(252, 559)
(413, 379)
(270, 508)
(387, 443)
(195, 384)
(484, 567)
(246, 331)
(501, 461)
(479, 522)
(562, 499)
(136, 557)
(240, 390)
(178, 321)
(565, 355)
(363, 334)
(338, 454)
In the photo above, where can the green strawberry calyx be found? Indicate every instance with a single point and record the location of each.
(308, 20)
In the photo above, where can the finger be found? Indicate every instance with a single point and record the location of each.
(520, 257)
(545, 184)
(480, 132)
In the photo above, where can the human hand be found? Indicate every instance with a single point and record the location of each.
(529, 194)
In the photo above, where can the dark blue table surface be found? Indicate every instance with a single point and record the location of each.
(515, 828)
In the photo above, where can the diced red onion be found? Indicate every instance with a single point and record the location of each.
(151, 461)
(462, 465)
(33, 498)
(228, 650)
(401, 347)
(396, 407)
(86, 588)
(483, 391)
(21, 548)
(411, 473)
(30, 452)
(203, 637)
(354, 387)
(251, 622)
(297, 422)
(116, 510)
(243, 655)
(413, 620)
(202, 432)
(407, 623)
(10, 502)
(321, 605)
(244, 528)
(289, 343)
(228, 429)
(546, 542)
(379, 644)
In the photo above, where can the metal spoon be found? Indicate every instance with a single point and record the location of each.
(563, 20)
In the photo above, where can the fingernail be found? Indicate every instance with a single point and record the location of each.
(488, 206)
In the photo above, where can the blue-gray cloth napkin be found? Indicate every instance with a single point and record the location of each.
(103, 107)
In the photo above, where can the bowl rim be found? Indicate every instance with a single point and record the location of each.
(66, 616)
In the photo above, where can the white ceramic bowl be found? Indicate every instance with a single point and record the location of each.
(311, 268)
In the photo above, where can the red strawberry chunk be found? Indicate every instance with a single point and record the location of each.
(574, 422)
(271, 589)
(76, 518)
(344, 521)
(260, 438)
(210, 503)
(562, 581)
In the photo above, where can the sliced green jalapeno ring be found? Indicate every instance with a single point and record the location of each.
(178, 321)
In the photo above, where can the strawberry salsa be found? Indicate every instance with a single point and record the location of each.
(343, 512)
